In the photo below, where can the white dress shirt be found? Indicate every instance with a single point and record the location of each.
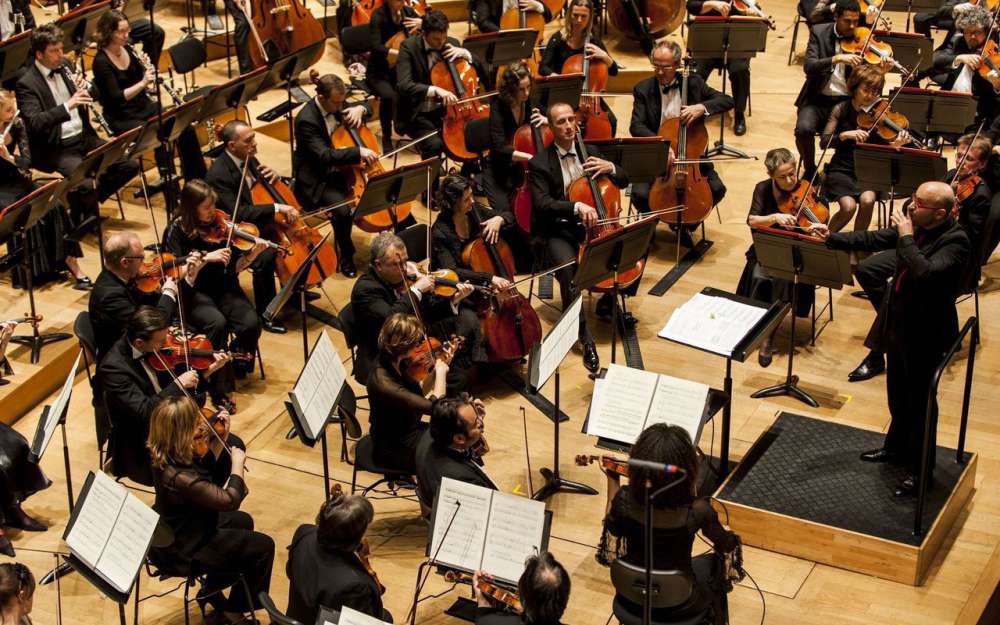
(964, 81)
(670, 103)
(836, 85)
(61, 94)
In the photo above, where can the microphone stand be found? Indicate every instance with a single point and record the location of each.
(412, 616)
(647, 599)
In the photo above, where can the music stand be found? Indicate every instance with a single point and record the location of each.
(17, 219)
(399, 186)
(500, 48)
(909, 6)
(949, 112)
(14, 53)
(710, 37)
(233, 94)
(644, 158)
(911, 50)
(163, 129)
(286, 70)
(78, 26)
(549, 90)
(297, 284)
(799, 259)
(896, 170)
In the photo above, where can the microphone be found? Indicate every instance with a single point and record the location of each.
(649, 465)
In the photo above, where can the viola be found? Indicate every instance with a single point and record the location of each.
(244, 235)
(195, 352)
(501, 596)
(280, 27)
(804, 204)
(643, 21)
(684, 185)
(531, 140)
(509, 323)
(418, 363)
(460, 78)
(752, 8)
(874, 51)
(990, 67)
(152, 273)
(590, 115)
(885, 122)
(608, 463)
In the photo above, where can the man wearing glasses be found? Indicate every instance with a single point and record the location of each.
(917, 321)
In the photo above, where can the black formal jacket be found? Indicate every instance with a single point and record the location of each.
(988, 105)
(506, 172)
(552, 214)
(112, 303)
(972, 215)
(819, 62)
(502, 616)
(224, 176)
(414, 78)
(646, 103)
(43, 117)
(315, 156)
(487, 13)
(919, 316)
(435, 462)
(557, 50)
(382, 30)
(332, 578)
(130, 398)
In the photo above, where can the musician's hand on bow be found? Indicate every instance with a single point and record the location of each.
(491, 229)
(972, 61)
(481, 599)
(368, 156)
(692, 112)
(719, 6)
(354, 116)
(587, 214)
(78, 99)
(821, 231)
(500, 283)
(290, 212)
(188, 379)
(537, 119)
(847, 59)
(462, 290)
(447, 97)
(594, 166)
(169, 286)
(595, 53)
(901, 221)
(219, 360)
(783, 219)
(858, 136)
(222, 255)
(269, 174)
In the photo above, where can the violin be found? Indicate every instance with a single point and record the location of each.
(509, 323)
(804, 204)
(684, 185)
(590, 115)
(643, 21)
(608, 463)
(752, 9)
(964, 188)
(244, 235)
(418, 363)
(885, 122)
(364, 550)
(152, 273)
(445, 282)
(195, 352)
(866, 45)
(210, 419)
(990, 67)
(281, 27)
(460, 78)
(501, 596)
(605, 197)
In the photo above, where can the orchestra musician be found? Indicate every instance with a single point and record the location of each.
(391, 18)
(679, 515)
(216, 305)
(202, 508)
(421, 106)
(827, 68)
(560, 222)
(543, 590)
(658, 98)
(486, 13)
(942, 19)
(959, 59)
(317, 184)
(12, 12)
(738, 69)
(17, 593)
(324, 566)
(150, 35)
(577, 25)
(918, 321)
(824, 11)
(764, 211)
(225, 176)
(450, 447)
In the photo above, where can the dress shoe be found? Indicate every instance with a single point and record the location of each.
(739, 126)
(16, 517)
(605, 306)
(348, 269)
(878, 455)
(6, 548)
(83, 284)
(765, 354)
(274, 327)
(871, 366)
(907, 487)
(590, 358)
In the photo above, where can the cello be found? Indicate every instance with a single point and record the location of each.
(516, 18)
(530, 139)
(280, 27)
(509, 323)
(460, 78)
(643, 20)
(590, 115)
(684, 184)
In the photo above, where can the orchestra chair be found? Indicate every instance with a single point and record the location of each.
(349, 327)
(365, 462)
(355, 40)
(415, 239)
(185, 57)
(670, 588)
(276, 615)
(84, 331)
(477, 138)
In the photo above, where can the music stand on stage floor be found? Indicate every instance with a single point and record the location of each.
(931, 110)
(78, 26)
(549, 90)
(14, 54)
(896, 171)
(163, 129)
(286, 70)
(500, 48)
(17, 219)
(53, 415)
(912, 6)
(297, 284)
(233, 94)
(911, 50)
(799, 259)
(404, 184)
(715, 37)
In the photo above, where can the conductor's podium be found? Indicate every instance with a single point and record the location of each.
(801, 490)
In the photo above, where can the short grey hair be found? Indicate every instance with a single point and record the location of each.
(383, 242)
(972, 17)
(673, 46)
(118, 246)
(776, 158)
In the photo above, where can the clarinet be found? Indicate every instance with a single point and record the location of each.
(6, 131)
(80, 79)
(147, 65)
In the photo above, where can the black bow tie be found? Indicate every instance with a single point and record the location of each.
(568, 155)
(671, 87)
(52, 74)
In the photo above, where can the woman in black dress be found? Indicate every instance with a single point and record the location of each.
(51, 252)
(679, 514)
(201, 507)
(392, 17)
(782, 174)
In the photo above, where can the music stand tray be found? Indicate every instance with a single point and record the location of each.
(644, 158)
(501, 48)
(287, 68)
(78, 26)
(896, 170)
(903, 6)
(14, 54)
(711, 37)
(401, 185)
(911, 50)
(935, 111)
(233, 94)
(549, 90)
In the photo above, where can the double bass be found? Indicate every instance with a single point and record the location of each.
(460, 78)
(280, 27)
(590, 115)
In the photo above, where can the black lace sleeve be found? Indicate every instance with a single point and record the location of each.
(708, 522)
(197, 488)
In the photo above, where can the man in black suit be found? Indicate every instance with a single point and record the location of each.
(487, 13)
(658, 98)
(447, 448)
(421, 106)
(317, 184)
(323, 565)
(225, 176)
(738, 69)
(562, 224)
(59, 131)
(827, 69)
(957, 62)
(132, 389)
(376, 297)
(943, 18)
(543, 589)
(917, 322)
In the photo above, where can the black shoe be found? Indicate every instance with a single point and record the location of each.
(590, 358)
(871, 366)
(907, 487)
(878, 455)
(83, 284)
(740, 126)
(765, 354)
(274, 327)
(6, 548)
(348, 269)
(17, 517)
(605, 306)
(312, 296)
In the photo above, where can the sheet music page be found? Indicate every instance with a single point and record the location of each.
(715, 324)
(619, 411)
(514, 532)
(96, 519)
(57, 408)
(557, 344)
(678, 402)
(127, 545)
(463, 547)
(350, 616)
(319, 384)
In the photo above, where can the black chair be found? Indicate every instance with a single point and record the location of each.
(185, 57)
(84, 331)
(356, 40)
(415, 239)
(670, 589)
(477, 135)
(364, 461)
(800, 18)
(277, 617)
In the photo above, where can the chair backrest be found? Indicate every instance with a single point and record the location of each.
(415, 239)
(187, 54)
(348, 325)
(84, 331)
(669, 588)
(477, 135)
(276, 615)
(356, 39)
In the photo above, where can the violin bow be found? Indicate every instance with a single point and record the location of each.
(871, 31)
(416, 308)
(239, 194)
(965, 155)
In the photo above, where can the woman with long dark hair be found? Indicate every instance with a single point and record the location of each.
(17, 593)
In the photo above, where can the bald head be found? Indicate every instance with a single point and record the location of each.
(117, 248)
(936, 199)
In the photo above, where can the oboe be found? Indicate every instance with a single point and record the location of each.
(81, 82)
(147, 65)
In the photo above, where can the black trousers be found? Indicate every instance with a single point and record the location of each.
(264, 289)
(923, 22)
(385, 90)
(236, 549)
(908, 377)
(466, 325)
(340, 218)
(809, 121)
(561, 250)
(498, 189)
(738, 71)
(216, 315)
(150, 35)
(873, 274)
(423, 124)
(241, 35)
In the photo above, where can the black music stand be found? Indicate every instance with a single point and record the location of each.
(399, 186)
(297, 284)
(949, 112)
(78, 26)
(500, 48)
(285, 70)
(799, 259)
(913, 51)
(233, 94)
(14, 53)
(17, 219)
(549, 90)
(710, 38)
(896, 170)
(163, 129)
(910, 6)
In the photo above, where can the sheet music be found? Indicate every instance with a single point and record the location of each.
(318, 385)
(127, 544)
(715, 324)
(619, 411)
(45, 430)
(678, 402)
(463, 547)
(514, 533)
(557, 344)
(96, 519)
(350, 616)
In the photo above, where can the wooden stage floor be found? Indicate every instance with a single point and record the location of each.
(285, 478)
